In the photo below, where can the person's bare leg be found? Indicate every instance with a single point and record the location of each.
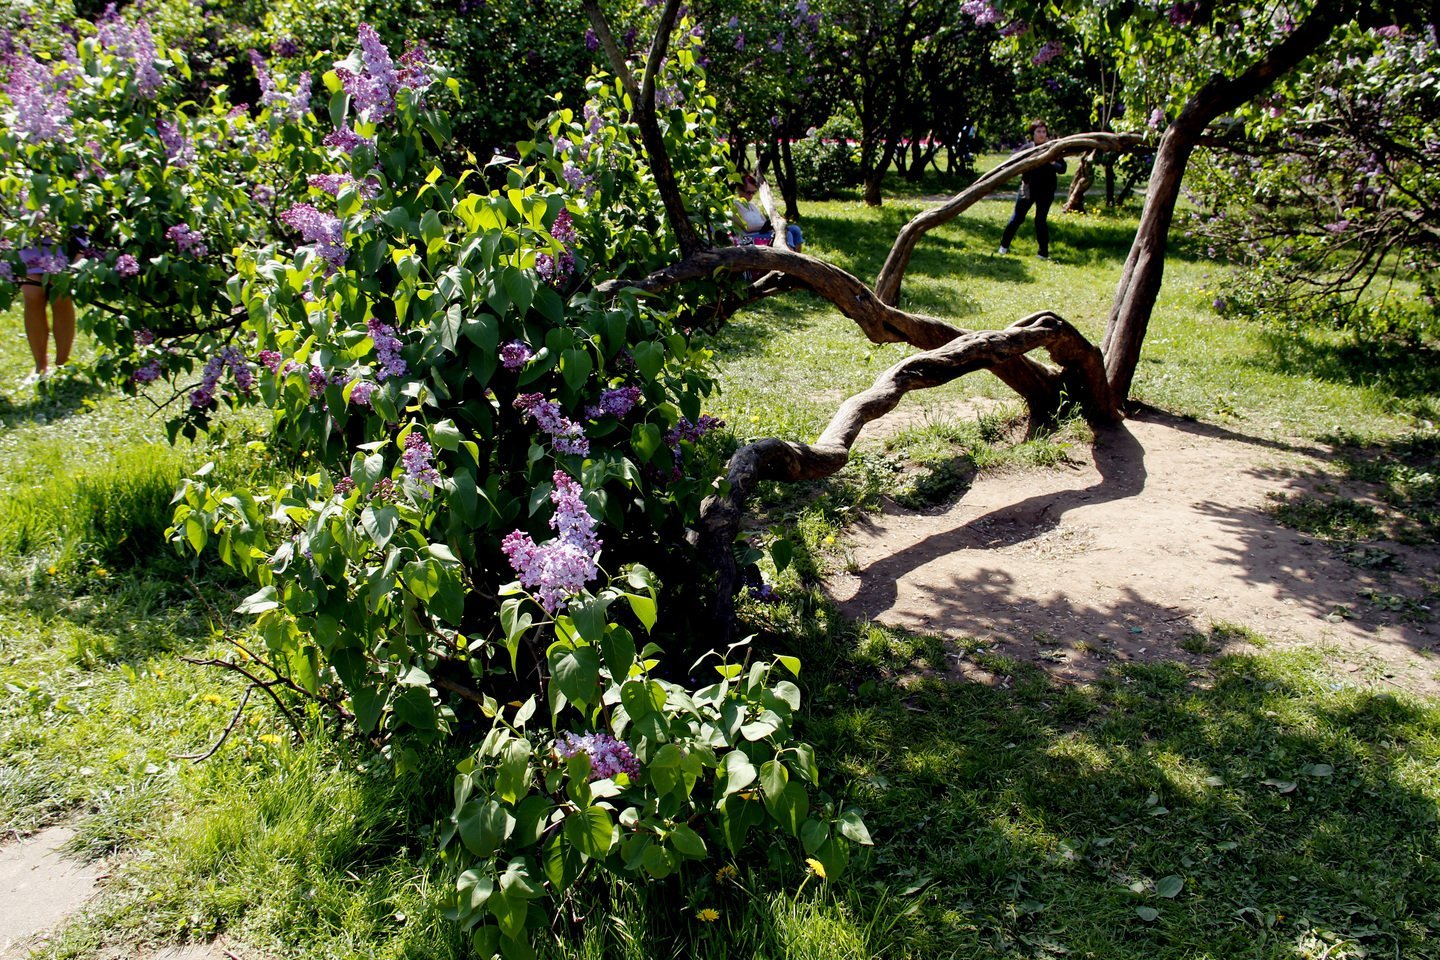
(62, 316)
(37, 329)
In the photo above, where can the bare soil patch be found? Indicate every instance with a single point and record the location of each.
(1158, 534)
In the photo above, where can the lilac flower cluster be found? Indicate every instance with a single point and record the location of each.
(191, 242)
(515, 354)
(608, 757)
(691, 432)
(7, 271)
(40, 101)
(344, 486)
(552, 269)
(560, 567)
(178, 150)
(319, 380)
(333, 183)
(343, 138)
(387, 349)
(43, 260)
(361, 392)
(1183, 14)
(231, 357)
(579, 180)
(981, 11)
(414, 72)
(271, 359)
(384, 491)
(616, 402)
(126, 266)
(147, 373)
(566, 435)
(133, 43)
(418, 460)
(1157, 119)
(320, 229)
(292, 106)
(592, 42)
(1014, 28)
(372, 91)
(1048, 52)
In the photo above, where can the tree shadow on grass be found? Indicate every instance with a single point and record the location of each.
(1042, 814)
(58, 401)
(1402, 370)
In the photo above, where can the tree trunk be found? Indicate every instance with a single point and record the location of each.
(789, 188)
(1139, 285)
(1109, 181)
(1084, 176)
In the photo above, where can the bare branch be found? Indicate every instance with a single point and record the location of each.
(887, 285)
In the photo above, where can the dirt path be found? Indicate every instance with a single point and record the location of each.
(1157, 537)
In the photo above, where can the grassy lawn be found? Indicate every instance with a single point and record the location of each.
(1265, 809)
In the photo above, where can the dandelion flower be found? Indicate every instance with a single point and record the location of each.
(816, 867)
(272, 739)
(727, 872)
(708, 915)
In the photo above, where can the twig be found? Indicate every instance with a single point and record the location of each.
(228, 665)
(198, 757)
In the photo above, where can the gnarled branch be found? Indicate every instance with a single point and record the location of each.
(887, 284)
(1080, 363)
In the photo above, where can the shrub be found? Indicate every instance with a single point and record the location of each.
(826, 160)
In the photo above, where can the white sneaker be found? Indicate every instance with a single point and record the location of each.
(1003, 251)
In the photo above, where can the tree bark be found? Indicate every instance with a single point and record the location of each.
(1084, 176)
(887, 285)
(1144, 269)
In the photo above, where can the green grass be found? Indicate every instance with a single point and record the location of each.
(1295, 809)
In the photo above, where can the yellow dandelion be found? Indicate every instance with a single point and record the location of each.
(708, 915)
(212, 698)
(727, 872)
(101, 572)
(272, 739)
(52, 570)
(816, 867)
(830, 540)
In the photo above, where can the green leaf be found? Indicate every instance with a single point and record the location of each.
(576, 671)
(484, 826)
(589, 617)
(510, 912)
(649, 358)
(762, 726)
(781, 552)
(687, 842)
(590, 830)
(1148, 914)
(259, 601)
(1169, 887)
(644, 609)
(380, 523)
(738, 771)
(813, 835)
(853, 828)
(473, 888)
(414, 708)
(520, 288)
(512, 780)
(645, 438)
(618, 649)
(576, 367)
(446, 435)
(773, 778)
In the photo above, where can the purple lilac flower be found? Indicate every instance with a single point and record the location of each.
(271, 359)
(345, 139)
(515, 354)
(179, 151)
(387, 349)
(292, 105)
(1014, 28)
(239, 368)
(560, 567)
(1157, 119)
(148, 373)
(7, 271)
(1181, 14)
(204, 395)
(372, 91)
(418, 460)
(616, 402)
(137, 45)
(333, 183)
(740, 40)
(321, 229)
(318, 380)
(43, 260)
(1338, 227)
(190, 242)
(360, 393)
(126, 266)
(144, 337)
(564, 228)
(592, 42)
(40, 102)
(691, 432)
(414, 73)
(608, 757)
(981, 11)
(566, 435)
(384, 490)
(1389, 32)
(1047, 53)
(344, 485)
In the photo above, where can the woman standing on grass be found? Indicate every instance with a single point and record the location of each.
(1037, 187)
(40, 262)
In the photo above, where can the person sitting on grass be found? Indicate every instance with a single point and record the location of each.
(754, 224)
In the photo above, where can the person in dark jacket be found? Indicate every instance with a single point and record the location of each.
(1037, 189)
